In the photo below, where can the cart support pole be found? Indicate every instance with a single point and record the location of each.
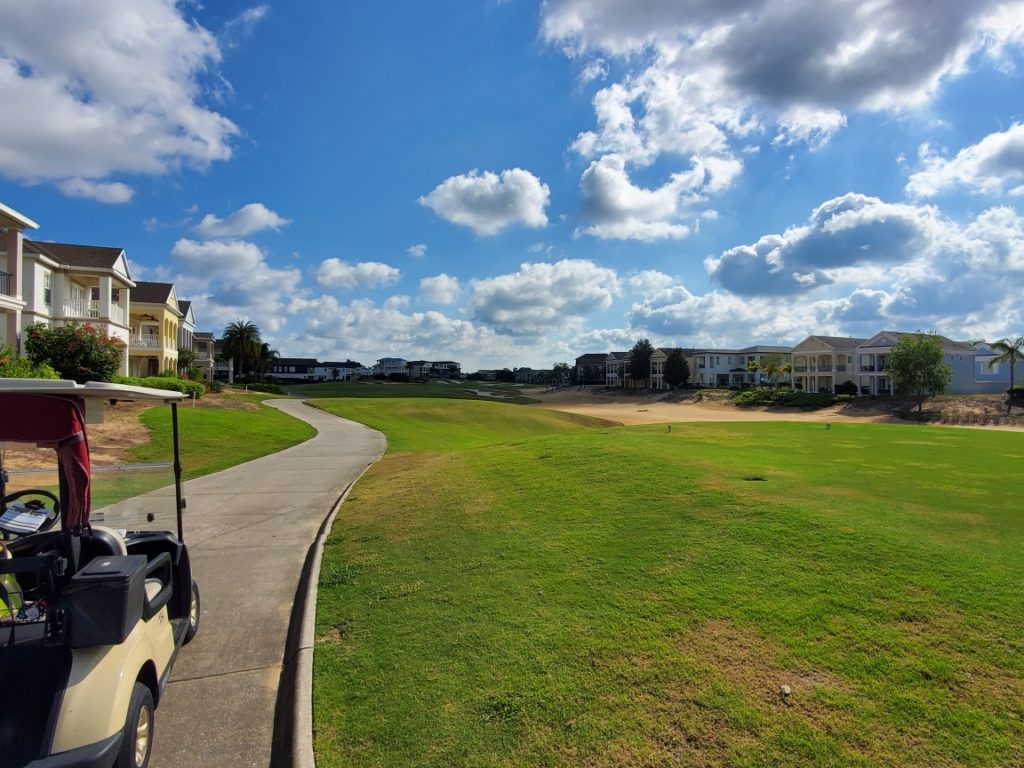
(179, 502)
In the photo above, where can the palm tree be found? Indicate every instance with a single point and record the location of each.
(265, 359)
(242, 343)
(753, 366)
(1009, 352)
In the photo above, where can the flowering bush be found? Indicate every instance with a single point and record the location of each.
(78, 352)
(14, 366)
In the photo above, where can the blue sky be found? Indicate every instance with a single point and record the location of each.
(516, 183)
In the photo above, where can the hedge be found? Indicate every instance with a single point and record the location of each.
(189, 388)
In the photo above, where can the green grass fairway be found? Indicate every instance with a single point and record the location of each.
(463, 390)
(629, 596)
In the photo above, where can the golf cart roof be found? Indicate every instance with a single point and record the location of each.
(98, 390)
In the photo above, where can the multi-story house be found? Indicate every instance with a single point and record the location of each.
(205, 353)
(388, 366)
(718, 367)
(154, 318)
(12, 225)
(84, 284)
(335, 371)
(821, 363)
(762, 354)
(294, 369)
(591, 368)
(187, 326)
(971, 373)
(658, 359)
(445, 369)
(615, 369)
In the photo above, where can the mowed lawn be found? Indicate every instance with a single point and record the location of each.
(613, 596)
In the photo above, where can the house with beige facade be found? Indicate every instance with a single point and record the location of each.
(821, 363)
(154, 318)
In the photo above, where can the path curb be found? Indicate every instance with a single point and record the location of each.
(293, 713)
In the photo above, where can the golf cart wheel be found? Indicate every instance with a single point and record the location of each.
(193, 614)
(137, 739)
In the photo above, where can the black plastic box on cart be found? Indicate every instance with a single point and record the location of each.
(105, 600)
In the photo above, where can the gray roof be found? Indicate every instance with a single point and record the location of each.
(838, 341)
(152, 293)
(90, 256)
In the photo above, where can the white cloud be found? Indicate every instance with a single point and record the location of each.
(217, 257)
(541, 296)
(251, 218)
(987, 167)
(242, 25)
(698, 76)
(229, 280)
(846, 231)
(115, 87)
(417, 251)
(104, 192)
(335, 273)
(650, 281)
(440, 289)
(621, 210)
(488, 203)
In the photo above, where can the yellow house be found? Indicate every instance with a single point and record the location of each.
(154, 318)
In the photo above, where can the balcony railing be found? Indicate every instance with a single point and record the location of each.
(146, 341)
(825, 367)
(799, 369)
(87, 309)
(5, 283)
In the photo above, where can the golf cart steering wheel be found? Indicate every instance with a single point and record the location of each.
(52, 514)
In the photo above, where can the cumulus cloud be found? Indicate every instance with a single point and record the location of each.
(698, 75)
(488, 203)
(335, 273)
(542, 296)
(104, 192)
(988, 167)
(251, 218)
(440, 289)
(79, 74)
(417, 251)
(622, 210)
(232, 279)
(843, 232)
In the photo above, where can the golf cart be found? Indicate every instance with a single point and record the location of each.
(95, 603)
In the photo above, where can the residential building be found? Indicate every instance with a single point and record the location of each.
(154, 317)
(388, 366)
(718, 367)
(528, 375)
(821, 363)
(187, 326)
(971, 374)
(295, 369)
(445, 369)
(12, 225)
(204, 347)
(335, 371)
(223, 366)
(658, 359)
(761, 354)
(67, 284)
(615, 369)
(591, 368)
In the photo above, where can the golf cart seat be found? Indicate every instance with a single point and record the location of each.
(100, 542)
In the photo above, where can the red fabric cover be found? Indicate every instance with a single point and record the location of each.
(53, 422)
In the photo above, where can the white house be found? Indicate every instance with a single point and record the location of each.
(821, 363)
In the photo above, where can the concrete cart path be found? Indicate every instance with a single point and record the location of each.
(249, 529)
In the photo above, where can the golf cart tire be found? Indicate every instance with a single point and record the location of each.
(195, 609)
(140, 708)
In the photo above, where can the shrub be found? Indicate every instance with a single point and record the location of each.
(215, 386)
(14, 366)
(271, 389)
(846, 388)
(1016, 393)
(77, 352)
(189, 388)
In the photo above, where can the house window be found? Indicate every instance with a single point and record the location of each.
(48, 288)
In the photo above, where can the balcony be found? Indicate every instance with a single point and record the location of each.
(5, 283)
(87, 309)
(825, 367)
(799, 369)
(146, 341)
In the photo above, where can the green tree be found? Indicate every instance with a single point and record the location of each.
(78, 352)
(753, 366)
(1009, 352)
(640, 361)
(773, 366)
(915, 365)
(242, 343)
(186, 360)
(265, 360)
(560, 374)
(677, 370)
